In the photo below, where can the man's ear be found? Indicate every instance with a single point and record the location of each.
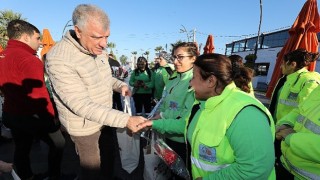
(25, 38)
(78, 31)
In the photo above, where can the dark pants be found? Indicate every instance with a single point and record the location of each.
(24, 130)
(281, 172)
(117, 104)
(142, 100)
(180, 149)
(107, 144)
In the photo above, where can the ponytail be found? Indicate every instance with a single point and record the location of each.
(242, 76)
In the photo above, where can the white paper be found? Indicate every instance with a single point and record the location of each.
(14, 175)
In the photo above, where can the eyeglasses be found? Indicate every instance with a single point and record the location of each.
(178, 57)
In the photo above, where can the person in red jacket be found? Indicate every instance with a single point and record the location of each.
(27, 109)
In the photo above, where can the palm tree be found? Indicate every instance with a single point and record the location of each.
(111, 45)
(158, 49)
(5, 17)
(123, 59)
(147, 54)
(134, 53)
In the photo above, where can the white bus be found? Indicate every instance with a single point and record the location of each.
(269, 46)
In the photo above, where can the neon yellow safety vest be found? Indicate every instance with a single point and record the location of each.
(302, 156)
(213, 132)
(296, 89)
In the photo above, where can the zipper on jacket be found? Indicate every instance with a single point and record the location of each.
(176, 84)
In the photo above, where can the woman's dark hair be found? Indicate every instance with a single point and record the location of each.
(220, 66)
(137, 70)
(156, 66)
(302, 57)
(236, 59)
(191, 48)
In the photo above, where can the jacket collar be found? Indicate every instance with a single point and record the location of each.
(212, 102)
(296, 74)
(185, 74)
(71, 37)
(18, 44)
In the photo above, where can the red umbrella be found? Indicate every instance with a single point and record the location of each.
(209, 47)
(303, 34)
(47, 42)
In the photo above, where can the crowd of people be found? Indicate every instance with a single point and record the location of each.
(208, 113)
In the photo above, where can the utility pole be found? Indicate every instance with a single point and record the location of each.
(184, 30)
(194, 35)
(258, 37)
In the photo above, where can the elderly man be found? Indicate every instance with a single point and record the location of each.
(82, 86)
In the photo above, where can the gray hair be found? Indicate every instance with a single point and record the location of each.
(165, 56)
(84, 13)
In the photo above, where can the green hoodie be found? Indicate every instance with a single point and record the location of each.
(178, 100)
(161, 78)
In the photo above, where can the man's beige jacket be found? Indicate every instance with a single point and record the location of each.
(82, 88)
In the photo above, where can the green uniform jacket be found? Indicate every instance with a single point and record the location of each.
(295, 90)
(161, 78)
(178, 100)
(300, 150)
(142, 76)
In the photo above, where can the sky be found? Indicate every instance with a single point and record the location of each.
(142, 25)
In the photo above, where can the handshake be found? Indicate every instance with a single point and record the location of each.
(138, 123)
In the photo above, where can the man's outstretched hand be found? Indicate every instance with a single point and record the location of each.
(134, 122)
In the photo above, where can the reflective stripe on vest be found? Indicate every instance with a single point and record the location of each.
(288, 103)
(302, 172)
(313, 127)
(207, 167)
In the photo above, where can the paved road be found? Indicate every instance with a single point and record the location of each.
(262, 97)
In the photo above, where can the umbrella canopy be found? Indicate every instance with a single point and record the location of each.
(209, 47)
(47, 42)
(1, 49)
(303, 34)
